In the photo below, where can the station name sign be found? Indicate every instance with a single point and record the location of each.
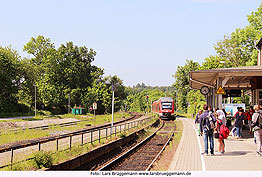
(232, 93)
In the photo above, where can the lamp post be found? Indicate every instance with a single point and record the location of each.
(35, 99)
(151, 108)
(147, 104)
(176, 98)
(113, 98)
(68, 103)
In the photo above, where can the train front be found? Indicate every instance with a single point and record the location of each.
(167, 108)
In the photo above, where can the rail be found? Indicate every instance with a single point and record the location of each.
(164, 147)
(119, 159)
(20, 152)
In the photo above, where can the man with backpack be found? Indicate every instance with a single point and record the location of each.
(257, 125)
(207, 124)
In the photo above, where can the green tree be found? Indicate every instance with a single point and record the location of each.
(36, 68)
(136, 99)
(196, 101)
(10, 79)
(26, 90)
(212, 62)
(238, 48)
(182, 83)
(60, 73)
(100, 93)
(119, 94)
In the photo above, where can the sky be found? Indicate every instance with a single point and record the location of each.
(140, 41)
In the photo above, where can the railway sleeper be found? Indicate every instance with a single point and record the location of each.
(95, 158)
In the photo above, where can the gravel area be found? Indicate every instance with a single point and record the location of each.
(35, 123)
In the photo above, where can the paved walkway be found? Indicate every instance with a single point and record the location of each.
(239, 155)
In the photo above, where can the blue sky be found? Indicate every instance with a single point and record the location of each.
(137, 40)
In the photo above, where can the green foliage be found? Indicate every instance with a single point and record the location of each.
(43, 159)
(255, 18)
(212, 62)
(122, 135)
(196, 101)
(182, 83)
(64, 74)
(136, 99)
(237, 49)
(10, 79)
(58, 74)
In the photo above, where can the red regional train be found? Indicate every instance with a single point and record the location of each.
(164, 107)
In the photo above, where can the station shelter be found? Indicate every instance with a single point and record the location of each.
(228, 82)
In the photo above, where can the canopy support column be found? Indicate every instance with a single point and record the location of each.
(219, 96)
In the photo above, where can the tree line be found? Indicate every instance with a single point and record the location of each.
(234, 50)
(64, 78)
(68, 74)
(58, 76)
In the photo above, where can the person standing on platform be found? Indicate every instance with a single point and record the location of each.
(221, 119)
(249, 115)
(207, 125)
(197, 120)
(210, 109)
(257, 129)
(239, 118)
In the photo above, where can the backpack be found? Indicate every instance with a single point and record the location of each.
(211, 125)
(223, 131)
(258, 122)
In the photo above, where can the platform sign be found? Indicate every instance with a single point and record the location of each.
(220, 90)
(94, 106)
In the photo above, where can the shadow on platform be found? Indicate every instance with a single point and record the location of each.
(235, 153)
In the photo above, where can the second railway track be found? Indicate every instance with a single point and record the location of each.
(142, 156)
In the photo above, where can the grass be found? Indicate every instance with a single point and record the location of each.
(11, 136)
(21, 135)
(183, 114)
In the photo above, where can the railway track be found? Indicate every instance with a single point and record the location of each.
(143, 155)
(66, 124)
(81, 137)
(32, 142)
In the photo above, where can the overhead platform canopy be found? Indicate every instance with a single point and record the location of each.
(232, 78)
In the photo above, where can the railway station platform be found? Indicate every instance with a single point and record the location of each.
(239, 153)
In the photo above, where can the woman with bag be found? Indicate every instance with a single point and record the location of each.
(221, 119)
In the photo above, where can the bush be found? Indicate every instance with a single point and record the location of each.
(43, 159)
(122, 135)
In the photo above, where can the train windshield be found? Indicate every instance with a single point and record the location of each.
(167, 105)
